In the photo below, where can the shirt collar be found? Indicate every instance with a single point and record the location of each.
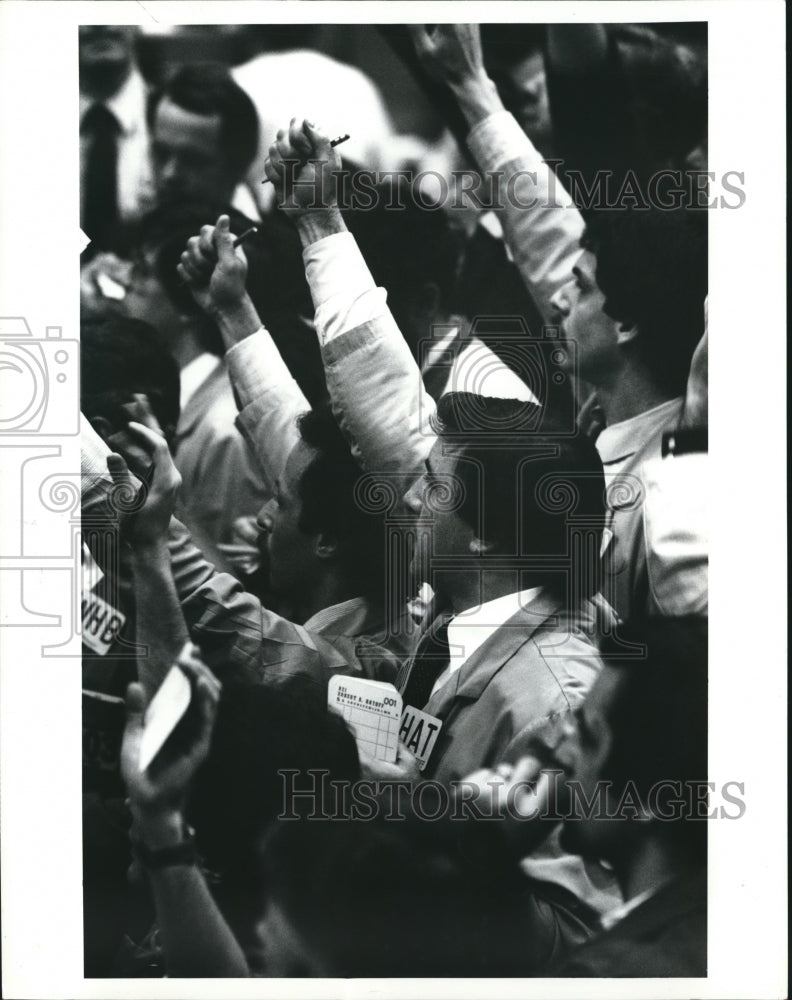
(194, 374)
(328, 619)
(128, 104)
(618, 913)
(470, 629)
(619, 441)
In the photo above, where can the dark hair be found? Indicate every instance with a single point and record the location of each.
(121, 356)
(276, 277)
(328, 494)
(406, 247)
(209, 89)
(372, 899)
(510, 43)
(652, 270)
(261, 730)
(658, 714)
(667, 83)
(523, 486)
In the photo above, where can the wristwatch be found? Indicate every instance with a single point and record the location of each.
(183, 853)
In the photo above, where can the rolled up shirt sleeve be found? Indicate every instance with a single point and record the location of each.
(542, 225)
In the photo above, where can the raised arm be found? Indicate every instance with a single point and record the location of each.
(196, 938)
(541, 223)
(160, 626)
(268, 397)
(374, 383)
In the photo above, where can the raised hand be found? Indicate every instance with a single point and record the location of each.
(158, 795)
(147, 519)
(450, 52)
(302, 165)
(214, 269)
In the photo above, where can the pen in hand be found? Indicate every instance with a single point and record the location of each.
(334, 143)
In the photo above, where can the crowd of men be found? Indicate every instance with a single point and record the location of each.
(455, 446)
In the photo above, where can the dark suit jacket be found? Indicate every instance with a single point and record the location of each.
(666, 936)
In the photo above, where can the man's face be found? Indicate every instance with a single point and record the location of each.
(188, 158)
(282, 949)
(293, 563)
(105, 47)
(579, 306)
(442, 534)
(523, 88)
(582, 754)
(147, 300)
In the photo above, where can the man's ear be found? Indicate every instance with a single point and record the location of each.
(326, 545)
(481, 547)
(625, 333)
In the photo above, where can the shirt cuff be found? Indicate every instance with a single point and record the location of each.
(93, 452)
(255, 366)
(498, 139)
(343, 290)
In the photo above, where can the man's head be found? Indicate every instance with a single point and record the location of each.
(120, 357)
(413, 253)
(105, 57)
(500, 491)
(204, 135)
(514, 57)
(637, 294)
(314, 528)
(642, 727)
(373, 899)
(156, 295)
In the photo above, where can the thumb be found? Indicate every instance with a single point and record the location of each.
(118, 469)
(135, 702)
(223, 240)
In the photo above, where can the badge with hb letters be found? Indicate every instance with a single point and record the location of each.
(418, 732)
(101, 623)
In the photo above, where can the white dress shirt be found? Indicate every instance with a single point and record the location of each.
(135, 179)
(194, 374)
(345, 296)
(470, 629)
(618, 443)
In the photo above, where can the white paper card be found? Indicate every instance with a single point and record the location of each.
(372, 710)
(163, 714)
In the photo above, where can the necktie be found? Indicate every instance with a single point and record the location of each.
(100, 205)
(431, 659)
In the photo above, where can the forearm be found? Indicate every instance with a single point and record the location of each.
(161, 628)
(196, 939)
(269, 400)
(363, 348)
(477, 98)
(541, 224)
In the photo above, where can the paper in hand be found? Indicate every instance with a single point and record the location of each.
(372, 710)
(163, 714)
